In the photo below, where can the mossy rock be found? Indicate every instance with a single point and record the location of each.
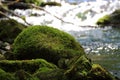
(104, 21)
(110, 20)
(99, 73)
(56, 74)
(78, 68)
(9, 29)
(23, 75)
(30, 66)
(47, 43)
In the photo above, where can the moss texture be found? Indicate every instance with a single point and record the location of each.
(47, 43)
(48, 71)
(53, 45)
(6, 76)
(104, 21)
(30, 66)
(9, 29)
(99, 73)
(110, 20)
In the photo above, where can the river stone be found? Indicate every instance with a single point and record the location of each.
(47, 43)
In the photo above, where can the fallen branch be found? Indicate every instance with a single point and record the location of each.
(9, 11)
(4, 15)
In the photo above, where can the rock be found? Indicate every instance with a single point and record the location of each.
(19, 5)
(9, 29)
(104, 21)
(30, 66)
(110, 20)
(99, 73)
(46, 42)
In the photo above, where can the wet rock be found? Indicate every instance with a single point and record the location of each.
(110, 20)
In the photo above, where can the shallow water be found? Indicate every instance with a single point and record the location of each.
(102, 45)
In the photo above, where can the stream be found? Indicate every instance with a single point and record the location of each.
(102, 45)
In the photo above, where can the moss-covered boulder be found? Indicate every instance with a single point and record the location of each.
(30, 66)
(110, 20)
(26, 69)
(47, 43)
(104, 21)
(9, 29)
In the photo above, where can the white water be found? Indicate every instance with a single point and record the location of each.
(90, 11)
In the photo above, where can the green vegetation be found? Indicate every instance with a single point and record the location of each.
(46, 53)
(99, 73)
(30, 66)
(25, 69)
(47, 43)
(110, 20)
(104, 21)
(9, 29)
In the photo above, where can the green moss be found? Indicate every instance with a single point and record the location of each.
(6, 76)
(110, 20)
(30, 66)
(104, 21)
(47, 43)
(78, 68)
(56, 74)
(9, 29)
(99, 73)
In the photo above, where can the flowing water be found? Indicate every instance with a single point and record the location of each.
(102, 45)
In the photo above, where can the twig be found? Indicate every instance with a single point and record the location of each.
(5, 15)
(9, 11)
